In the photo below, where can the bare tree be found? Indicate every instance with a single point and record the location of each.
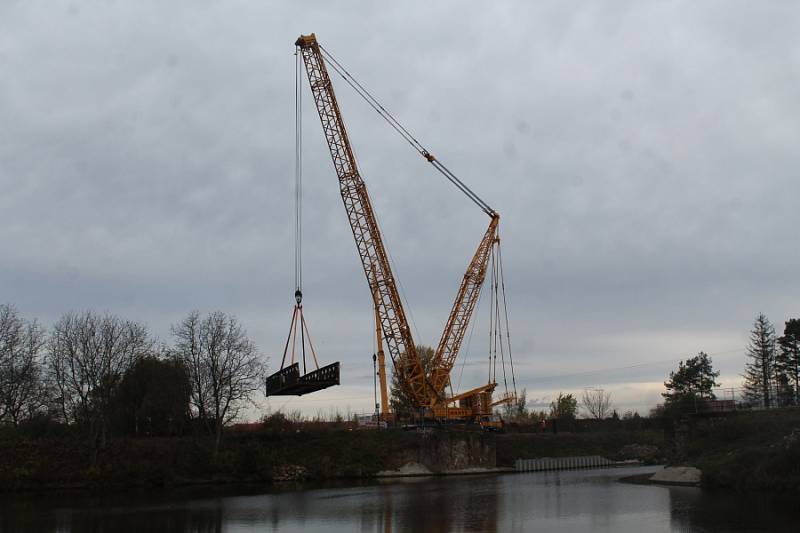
(190, 350)
(517, 411)
(596, 403)
(22, 392)
(87, 356)
(223, 364)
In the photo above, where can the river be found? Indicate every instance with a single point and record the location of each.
(569, 501)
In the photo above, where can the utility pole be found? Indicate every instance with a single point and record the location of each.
(375, 383)
(380, 373)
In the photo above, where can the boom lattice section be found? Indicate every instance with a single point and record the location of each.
(374, 260)
(464, 305)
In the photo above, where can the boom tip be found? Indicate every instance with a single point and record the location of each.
(304, 41)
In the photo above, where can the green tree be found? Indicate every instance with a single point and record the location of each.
(400, 400)
(788, 358)
(564, 406)
(153, 398)
(759, 371)
(693, 380)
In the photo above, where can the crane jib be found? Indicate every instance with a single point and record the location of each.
(426, 389)
(369, 242)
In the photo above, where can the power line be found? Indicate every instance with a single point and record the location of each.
(611, 369)
(627, 367)
(298, 176)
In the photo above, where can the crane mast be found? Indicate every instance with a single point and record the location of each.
(371, 250)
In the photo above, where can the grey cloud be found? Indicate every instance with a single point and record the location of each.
(642, 155)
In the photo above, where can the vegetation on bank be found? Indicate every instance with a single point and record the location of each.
(753, 444)
(30, 463)
(106, 377)
(57, 456)
(743, 450)
(642, 445)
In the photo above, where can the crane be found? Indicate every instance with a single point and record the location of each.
(427, 389)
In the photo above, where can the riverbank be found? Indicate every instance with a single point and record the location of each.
(262, 456)
(290, 454)
(646, 445)
(745, 451)
(678, 476)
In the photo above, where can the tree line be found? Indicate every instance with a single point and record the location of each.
(771, 374)
(771, 379)
(105, 375)
(595, 403)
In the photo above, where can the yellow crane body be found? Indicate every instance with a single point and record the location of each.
(392, 328)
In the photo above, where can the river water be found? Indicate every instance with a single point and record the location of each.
(569, 501)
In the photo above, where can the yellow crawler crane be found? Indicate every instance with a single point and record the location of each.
(427, 390)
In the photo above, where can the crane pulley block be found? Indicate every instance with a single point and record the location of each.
(288, 381)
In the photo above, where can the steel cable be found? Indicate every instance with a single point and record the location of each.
(403, 132)
(298, 176)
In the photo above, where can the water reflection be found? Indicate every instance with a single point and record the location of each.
(589, 500)
(694, 510)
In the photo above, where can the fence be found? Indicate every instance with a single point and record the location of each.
(736, 398)
(561, 463)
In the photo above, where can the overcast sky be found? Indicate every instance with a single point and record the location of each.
(643, 157)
